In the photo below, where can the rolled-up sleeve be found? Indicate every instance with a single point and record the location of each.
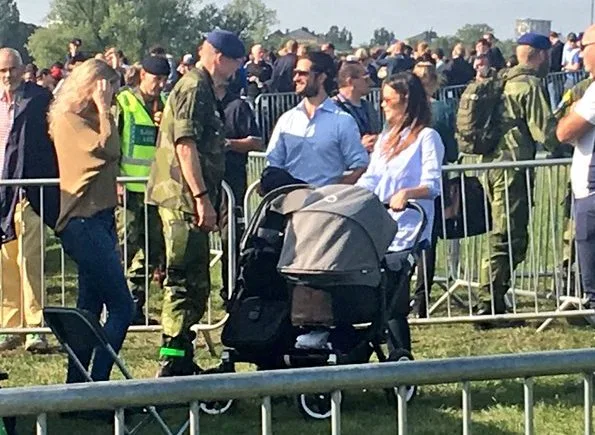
(276, 152)
(186, 108)
(432, 150)
(354, 154)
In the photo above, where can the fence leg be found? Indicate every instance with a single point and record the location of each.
(336, 413)
(402, 410)
(266, 414)
(194, 418)
(467, 408)
(119, 423)
(588, 383)
(42, 424)
(528, 389)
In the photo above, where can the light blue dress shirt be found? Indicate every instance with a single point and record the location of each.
(420, 164)
(318, 150)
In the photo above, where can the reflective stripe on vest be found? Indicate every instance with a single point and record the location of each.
(139, 137)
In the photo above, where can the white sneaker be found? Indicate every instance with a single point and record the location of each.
(36, 343)
(10, 342)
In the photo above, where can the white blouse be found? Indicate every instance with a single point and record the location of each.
(420, 164)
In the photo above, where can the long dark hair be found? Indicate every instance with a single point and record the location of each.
(418, 114)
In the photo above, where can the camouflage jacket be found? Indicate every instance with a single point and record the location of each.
(192, 111)
(527, 118)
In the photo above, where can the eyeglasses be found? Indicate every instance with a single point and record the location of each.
(301, 73)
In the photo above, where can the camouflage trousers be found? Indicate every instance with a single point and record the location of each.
(509, 238)
(130, 223)
(187, 280)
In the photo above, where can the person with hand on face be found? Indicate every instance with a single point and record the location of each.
(185, 185)
(88, 148)
(139, 112)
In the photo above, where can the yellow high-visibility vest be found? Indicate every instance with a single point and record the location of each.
(139, 139)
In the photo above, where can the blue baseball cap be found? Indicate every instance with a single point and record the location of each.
(535, 40)
(228, 43)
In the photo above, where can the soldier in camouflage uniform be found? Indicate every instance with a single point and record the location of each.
(527, 120)
(185, 184)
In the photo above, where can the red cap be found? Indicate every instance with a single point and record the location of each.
(56, 73)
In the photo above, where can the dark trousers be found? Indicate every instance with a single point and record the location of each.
(93, 245)
(585, 241)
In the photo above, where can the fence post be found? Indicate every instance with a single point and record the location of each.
(119, 422)
(266, 414)
(528, 390)
(588, 384)
(336, 413)
(194, 418)
(402, 410)
(41, 424)
(467, 408)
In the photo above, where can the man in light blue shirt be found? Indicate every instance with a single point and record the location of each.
(316, 141)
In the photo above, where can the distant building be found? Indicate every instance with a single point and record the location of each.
(302, 36)
(543, 27)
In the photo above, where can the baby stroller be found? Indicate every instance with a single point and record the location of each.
(315, 287)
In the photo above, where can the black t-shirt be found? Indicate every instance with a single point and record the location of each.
(263, 71)
(239, 124)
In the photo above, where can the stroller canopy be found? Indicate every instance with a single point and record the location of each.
(338, 235)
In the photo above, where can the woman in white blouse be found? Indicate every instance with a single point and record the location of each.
(405, 165)
(407, 159)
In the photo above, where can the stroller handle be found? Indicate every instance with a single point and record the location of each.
(414, 205)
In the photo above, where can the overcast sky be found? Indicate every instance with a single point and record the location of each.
(404, 17)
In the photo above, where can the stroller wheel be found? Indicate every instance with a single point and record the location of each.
(401, 355)
(217, 407)
(316, 406)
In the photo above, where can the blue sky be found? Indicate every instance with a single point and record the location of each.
(404, 17)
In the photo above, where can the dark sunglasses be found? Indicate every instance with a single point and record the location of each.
(301, 73)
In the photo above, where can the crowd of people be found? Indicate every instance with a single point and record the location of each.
(188, 126)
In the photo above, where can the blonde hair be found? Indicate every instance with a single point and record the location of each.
(430, 79)
(361, 54)
(76, 93)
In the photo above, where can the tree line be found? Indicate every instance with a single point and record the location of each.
(135, 25)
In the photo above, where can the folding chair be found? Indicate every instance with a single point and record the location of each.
(78, 329)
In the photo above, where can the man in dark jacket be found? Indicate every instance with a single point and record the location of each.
(282, 79)
(26, 152)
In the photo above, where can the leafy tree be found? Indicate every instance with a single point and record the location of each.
(340, 38)
(508, 47)
(470, 33)
(131, 25)
(9, 22)
(382, 37)
(250, 19)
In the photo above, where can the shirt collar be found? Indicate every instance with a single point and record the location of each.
(327, 105)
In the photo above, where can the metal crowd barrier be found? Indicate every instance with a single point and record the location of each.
(268, 108)
(545, 285)
(191, 390)
(62, 275)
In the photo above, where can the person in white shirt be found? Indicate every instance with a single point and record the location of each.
(578, 129)
(405, 165)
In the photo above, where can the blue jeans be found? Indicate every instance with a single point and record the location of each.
(93, 245)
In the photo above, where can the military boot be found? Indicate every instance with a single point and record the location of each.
(177, 358)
